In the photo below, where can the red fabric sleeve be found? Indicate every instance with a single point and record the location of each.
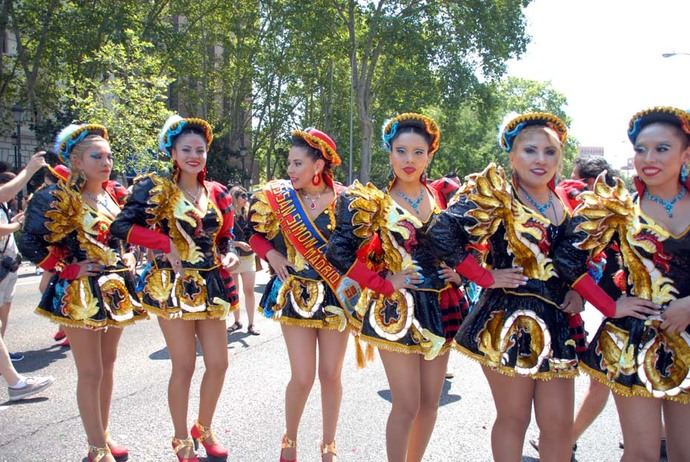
(51, 260)
(139, 235)
(587, 287)
(70, 272)
(260, 245)
(470, 269)
(370, 279)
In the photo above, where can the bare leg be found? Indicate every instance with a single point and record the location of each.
(590, 408)
(554, 401)
(677, 418)
(9, 373)
(248, 280)
(640, 420)
(513, 400)
(109, 342)
(403, 372)
(4, 317)
(87, 350)
(180, 340)
(332, 346)
(213, 339)
(432, 377)
(301, 346)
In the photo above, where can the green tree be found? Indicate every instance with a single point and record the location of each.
(470, 131)
(128, 99)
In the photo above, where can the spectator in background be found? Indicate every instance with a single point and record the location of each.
(12, 184)
(247, 268)
(19, 387)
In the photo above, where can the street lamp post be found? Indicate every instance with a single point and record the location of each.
(17, 113)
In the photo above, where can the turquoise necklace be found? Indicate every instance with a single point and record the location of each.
(541, 207)
(667, 205)
(414, 203)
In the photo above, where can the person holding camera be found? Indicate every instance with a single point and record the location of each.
(10, 185)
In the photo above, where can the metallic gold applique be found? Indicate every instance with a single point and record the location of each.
(159, 285)
(610, 210)
(166, 202)
(262, 217)
(375, 211)
(495, 204)
(522, 335)
(391, 317)
(306, 296)
(190, 290)
(116, 297)
(617, 354)
(78, 301)
(664, 363)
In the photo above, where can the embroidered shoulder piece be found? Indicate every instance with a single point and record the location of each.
(376, 212)
(166, 202)
(611, 210)
(262, 217)
(525, 230)
(67, 214)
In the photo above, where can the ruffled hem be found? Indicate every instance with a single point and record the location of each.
(626, 391)
(89, 323)
(395, 347)
(510, 372)
(308, 323)
(176, 313)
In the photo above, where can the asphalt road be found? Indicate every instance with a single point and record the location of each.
(249, 419)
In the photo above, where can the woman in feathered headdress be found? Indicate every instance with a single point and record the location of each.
(91, 294)
(292, 220)
(519, 330)
(642, 349)
(188, 220)
(411, 306)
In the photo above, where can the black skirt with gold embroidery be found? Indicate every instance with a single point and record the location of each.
(58, 222)
(302, 301)
(519, 333)
(94, 302)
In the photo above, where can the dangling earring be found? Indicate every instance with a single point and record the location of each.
(77, 178)
(422, 178)
(316, 179)
(684, 173)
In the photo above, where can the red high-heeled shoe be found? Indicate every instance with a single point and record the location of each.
(287, 443)
(214, 451)
(120, 453)
(178, 445)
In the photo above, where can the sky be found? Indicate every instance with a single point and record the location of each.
(605, 57)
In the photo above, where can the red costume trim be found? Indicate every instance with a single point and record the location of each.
(587, 287)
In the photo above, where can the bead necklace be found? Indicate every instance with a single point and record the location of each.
(102, 200)
(667, 205)
(194, 197)
(542, 208)
(313, 200)
(414, 203)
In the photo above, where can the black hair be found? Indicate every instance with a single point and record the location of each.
(591, 167)
(313, 153)
(408, 126)
(452, 174)
(193, 129)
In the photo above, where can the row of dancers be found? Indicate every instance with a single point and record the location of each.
(395, 268)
